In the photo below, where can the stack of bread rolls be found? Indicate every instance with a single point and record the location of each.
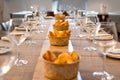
(61, 25)
(59, 38)
(59, 16)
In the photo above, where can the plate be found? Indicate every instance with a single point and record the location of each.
(115, 53)
(4, 49)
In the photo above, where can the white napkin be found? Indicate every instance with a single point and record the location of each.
(4, 38)
(103, 36)
(17, 33)
(115, 51)
(90, 22)
(20, 28)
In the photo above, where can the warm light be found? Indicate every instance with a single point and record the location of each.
(11, 20)
(31, 7)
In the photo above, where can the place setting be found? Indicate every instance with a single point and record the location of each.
(115, 53)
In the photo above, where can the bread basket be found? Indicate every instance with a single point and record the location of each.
(59, 41)
(60, 71)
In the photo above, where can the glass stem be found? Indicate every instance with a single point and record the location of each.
(91, 40)
(104, 59)
(104, 69)
(17, 52)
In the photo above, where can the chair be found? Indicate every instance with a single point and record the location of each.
(103, 17)
(110, 27)
(1, 28)
(65, 13)
(50, 13)
(5, 25)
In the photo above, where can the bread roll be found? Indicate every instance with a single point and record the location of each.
(50, 56)
(64, 58)
(74, 56)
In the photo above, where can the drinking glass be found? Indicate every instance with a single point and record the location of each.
(17, 40)
(5, 64)
(91, 33)
(92, 27)
(31, 26)
(81, 22)
(105, 46)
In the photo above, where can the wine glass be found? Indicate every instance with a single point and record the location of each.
(91, 33)
(105, 46)
(17, 40)
(81, 22)
(92, 27)
(31, 26)
(5, 64)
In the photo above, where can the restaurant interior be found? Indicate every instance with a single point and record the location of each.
(59, 39)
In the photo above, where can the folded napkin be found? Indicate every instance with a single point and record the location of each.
(115, 51)
(4, 38)
(20, 28)
(17, 33)
(90, 21)
(103, 37)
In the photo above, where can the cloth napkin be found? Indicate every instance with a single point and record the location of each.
(4, 38)
(20, 28)
(103, 36)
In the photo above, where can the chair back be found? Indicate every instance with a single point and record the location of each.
(110, 28)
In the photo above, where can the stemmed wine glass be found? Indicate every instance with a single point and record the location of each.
(105, 46)
(30, 26)
(92, 27)
(6, 64)
(81, 22)
(17, 40)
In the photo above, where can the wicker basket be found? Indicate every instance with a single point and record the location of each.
(60, 28)
(60, 71)
(59, 41)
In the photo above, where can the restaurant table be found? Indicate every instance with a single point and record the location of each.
(90, 60)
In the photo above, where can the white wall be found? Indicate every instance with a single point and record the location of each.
(112, 5)
(71, 4)
(20, 5)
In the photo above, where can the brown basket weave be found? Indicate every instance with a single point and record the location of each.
(60, 28)
(60, 71)
(59, 41)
